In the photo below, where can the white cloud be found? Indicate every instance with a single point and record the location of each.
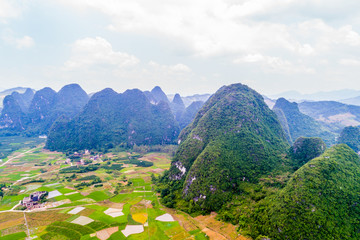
(325, 36)
(20, 43)
(274, 64)
(177, 68)
(11, 9)
(24, 42)
(98, 51)
(207, 27)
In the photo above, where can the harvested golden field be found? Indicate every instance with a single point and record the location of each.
(11, 219)
(43, 218)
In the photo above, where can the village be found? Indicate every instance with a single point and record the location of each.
(35, 200)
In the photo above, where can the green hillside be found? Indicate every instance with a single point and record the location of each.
(33, 114)
(351, 137)
(234, 138)
(305, 149)
(320, 201)
(111, 119)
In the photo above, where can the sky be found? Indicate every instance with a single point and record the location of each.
(184, 47)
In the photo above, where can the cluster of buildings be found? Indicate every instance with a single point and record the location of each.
(32, 201)
(81, 161)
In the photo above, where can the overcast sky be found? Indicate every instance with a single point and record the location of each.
(187, 46)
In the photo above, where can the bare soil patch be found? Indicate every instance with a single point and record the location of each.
(106, 233)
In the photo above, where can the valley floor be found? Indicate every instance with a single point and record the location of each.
(109, 197)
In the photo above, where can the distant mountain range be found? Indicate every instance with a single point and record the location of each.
(33, 113)
(334, 115)
(339, 95)
(297, 124)
(6, 92)
(193, 98)
(110, 119)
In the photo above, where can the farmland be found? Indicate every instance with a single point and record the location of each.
(103, 196)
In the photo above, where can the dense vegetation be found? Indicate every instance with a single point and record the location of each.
(30, 114)
(235, 138)
(351, 137)
(110, 119)
(297, 124)
(320, 201)
(305, 149)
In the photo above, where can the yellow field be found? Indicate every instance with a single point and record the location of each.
(140, 217)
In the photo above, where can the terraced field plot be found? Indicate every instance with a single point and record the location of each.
(115, 200)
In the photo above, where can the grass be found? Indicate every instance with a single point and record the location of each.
(97, 207)
(72, 204)
(83, 230)
(127, 197)
(102, 217)
(117, 236)
(69, 233)
(201, 236)
(96, 225)
(14, 236)
(65, 190)
(98, 196)
(75, 197)
(53, 236)
(72, 218)
(43, 188)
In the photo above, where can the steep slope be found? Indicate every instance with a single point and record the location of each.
(320, 201)
(297, 124)
(177, 107)
(351, 137)
(47, 106)
(235, 137)
(40, 109)
(6, 92)
(24, 99)
(188, 100)
(110, 119)
(12, 117)
(305, 149)
(189, 114)
(70, 100)
(158, 94)
(334, 114)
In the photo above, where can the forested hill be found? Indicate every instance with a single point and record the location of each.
(234, 138)
(351, 137)
(320, 201)
(297, 124)
(111, 119)
(33, 114)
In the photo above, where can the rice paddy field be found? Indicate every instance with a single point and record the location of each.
(113, 199)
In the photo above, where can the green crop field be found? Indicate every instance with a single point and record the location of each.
(95, 190)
